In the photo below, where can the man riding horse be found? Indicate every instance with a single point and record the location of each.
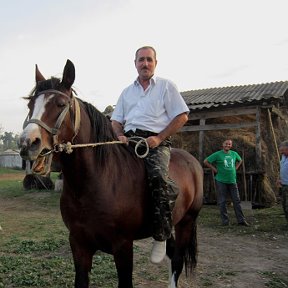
(152, 108)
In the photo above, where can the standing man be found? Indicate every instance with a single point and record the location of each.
(151, 107)
(283, 181)
(226, 162)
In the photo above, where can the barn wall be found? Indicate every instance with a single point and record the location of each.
(260, 185)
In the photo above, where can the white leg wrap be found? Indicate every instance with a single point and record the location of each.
(171, 281)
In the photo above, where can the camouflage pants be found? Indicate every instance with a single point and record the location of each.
(157, 163)
(284, 198)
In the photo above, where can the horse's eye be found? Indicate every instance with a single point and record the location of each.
(60, 102)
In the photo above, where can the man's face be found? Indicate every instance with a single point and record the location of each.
(283, 150)
(145, 63)
(227, 145)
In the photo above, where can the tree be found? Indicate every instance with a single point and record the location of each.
(9, 140)
(108, 110)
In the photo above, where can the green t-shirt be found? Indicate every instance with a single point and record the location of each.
(225, 164)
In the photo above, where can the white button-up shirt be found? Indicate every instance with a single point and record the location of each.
(152, 109)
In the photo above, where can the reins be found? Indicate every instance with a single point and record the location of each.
(68, 147)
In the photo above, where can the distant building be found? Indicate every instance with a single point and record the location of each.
(10, 159)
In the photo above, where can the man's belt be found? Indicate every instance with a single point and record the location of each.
(140, 133)
(146, 134)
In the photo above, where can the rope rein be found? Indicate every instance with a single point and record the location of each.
(68, 147)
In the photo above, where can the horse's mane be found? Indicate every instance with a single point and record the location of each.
(102, 132)
(101, 126)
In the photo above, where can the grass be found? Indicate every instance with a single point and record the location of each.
(10, 171)
(264, 222)
(35, 251)
(34, 241)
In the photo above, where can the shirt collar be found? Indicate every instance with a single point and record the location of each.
(152, 80)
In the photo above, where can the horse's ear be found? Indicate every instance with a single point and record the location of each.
(68, 75)
(38, 75)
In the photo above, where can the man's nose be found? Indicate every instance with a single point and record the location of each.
(145, 62)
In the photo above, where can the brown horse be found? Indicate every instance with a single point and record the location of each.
(105, 202)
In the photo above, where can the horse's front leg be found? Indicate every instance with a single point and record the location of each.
(82, 257)
(123, 258)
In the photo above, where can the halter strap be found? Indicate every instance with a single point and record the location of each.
(59, 121)
(53, 91)
(61, 117)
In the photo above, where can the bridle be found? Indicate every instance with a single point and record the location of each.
(54, 130)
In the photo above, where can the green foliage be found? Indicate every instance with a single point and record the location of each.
(9, 140)
(18, 246)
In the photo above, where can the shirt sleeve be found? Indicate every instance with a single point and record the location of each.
(118, 113)
(174, 102)
(212, 158)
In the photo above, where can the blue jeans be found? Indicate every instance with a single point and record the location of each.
(284, 191)
(222, 190)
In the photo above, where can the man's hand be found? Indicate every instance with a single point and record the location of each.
(123, 139)
(214, 170)
(278, 183)
(153, 141)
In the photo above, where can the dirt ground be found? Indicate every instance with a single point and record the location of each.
(12, 176)
(227, 260)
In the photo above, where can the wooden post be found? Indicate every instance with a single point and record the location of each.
(28, 167)
(273, 134)
(201, 140)
(258, 140)
(214, 184)
(244, 176)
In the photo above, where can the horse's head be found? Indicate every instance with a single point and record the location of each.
(50, 104)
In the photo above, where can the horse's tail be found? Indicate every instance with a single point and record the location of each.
(191, 250)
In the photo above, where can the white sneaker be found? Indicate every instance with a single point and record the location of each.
(158, 251)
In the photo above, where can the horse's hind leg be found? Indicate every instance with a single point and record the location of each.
(175, 263)
(183, 249)
(123, 258)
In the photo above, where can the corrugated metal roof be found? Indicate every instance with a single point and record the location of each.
(214, 97)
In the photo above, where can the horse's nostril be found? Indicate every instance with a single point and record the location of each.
(35, 144)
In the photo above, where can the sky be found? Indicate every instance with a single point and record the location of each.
(200, 44)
